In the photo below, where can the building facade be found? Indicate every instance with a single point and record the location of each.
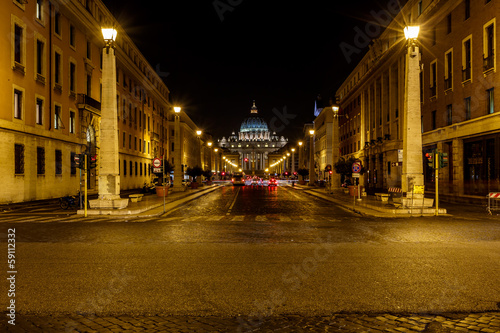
(50, 100)
(458, 78)
(253, 143)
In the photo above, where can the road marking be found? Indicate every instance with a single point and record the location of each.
(234, 201)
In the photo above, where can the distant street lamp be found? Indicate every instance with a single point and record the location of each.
(216, 150)
(312, 175)
(335, 177)
(293, 161)
(109, 169)
(412, 137)
(198, 133)
(178, 174)
(209, 144)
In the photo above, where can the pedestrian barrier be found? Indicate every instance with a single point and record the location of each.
(493, 202)
(396, 194)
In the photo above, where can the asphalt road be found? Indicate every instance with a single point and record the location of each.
(253, 252)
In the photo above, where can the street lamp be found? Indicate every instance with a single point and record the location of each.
(216, 150)
(312, 175)
(412, 137)
(293, 161)
(109, 170)
(178, 174)
(198, 133)
(301, 162)
(335, 177)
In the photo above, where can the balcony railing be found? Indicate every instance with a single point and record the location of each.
(488, 62)
(88, 103)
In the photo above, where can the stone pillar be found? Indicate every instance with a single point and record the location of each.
(178, 175)
(109, 171)
(457, 152)
(412, 135)
(312, 174)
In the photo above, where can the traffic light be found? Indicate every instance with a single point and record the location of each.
(430, 159)
(79, 161)
(223, 173)
(246, 159)
(330, 172)
(92, 161)
(443, 160)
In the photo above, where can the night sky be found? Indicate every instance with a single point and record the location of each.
(280, 53)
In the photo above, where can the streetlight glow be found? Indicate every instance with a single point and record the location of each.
(177, 109)
(311, 132)
(300, 143)
(198, 132)
(411, 32)
(109, 34)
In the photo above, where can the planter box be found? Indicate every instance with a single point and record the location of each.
(353, 190)
(162, 191)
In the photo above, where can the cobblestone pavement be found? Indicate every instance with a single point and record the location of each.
(445, 323)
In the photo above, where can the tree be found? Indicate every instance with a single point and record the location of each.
(344, 167)
(194, 172)
(207, 174)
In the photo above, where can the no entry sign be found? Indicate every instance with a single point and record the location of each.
(157, 163)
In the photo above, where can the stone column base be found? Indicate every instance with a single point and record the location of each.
(108, 203)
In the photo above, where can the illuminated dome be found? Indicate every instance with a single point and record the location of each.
(253, 123)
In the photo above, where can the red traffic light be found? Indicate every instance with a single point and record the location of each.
(246, 159)
(223, 173)
(330, 172)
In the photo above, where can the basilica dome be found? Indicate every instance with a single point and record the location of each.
(253, 124)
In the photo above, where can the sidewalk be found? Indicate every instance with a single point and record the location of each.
(384, 322)
(369, 205)
(151, 205)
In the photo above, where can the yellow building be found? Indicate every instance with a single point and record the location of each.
(50, 96)
(458, 78)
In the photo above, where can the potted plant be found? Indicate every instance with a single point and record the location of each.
(163, 186)
(303, 172)
(208, 176)
(194, 172)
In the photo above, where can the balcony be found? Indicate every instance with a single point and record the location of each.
(86, 102)
(488, 63)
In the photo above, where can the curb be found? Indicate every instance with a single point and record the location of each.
(141, 212)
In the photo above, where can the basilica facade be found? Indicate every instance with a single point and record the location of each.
(254, 142)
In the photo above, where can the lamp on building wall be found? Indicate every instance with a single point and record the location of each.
(178, 174)
(412, 174)
(312, 175)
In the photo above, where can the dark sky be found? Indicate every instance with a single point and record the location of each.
(280, 53)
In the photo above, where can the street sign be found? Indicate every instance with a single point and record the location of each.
(77, 159)
(157, 170)
(156, 163)
(355, 175)
(400, 155)
(418, 189)
(356, 167)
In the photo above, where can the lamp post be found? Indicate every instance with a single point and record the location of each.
(216, 150)
(178, 174)
(198, 134)
(109, 170)
(412, 136)
(293, 161)
(312, 175)
(335, 181)
(209, 144)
